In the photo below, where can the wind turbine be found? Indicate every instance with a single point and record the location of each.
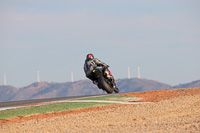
(129, 75)
(72, 76)
(5, 82)
(138, 72)
(38, 76)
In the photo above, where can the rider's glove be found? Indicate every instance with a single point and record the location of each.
(105, 67)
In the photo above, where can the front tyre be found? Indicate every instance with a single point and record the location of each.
(116, 90)
(104, 85)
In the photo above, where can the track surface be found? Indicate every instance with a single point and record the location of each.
(14, 104)
(174, 111)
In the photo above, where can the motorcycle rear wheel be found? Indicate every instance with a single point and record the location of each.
(104, 85)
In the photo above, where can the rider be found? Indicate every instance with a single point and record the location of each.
(91, 63)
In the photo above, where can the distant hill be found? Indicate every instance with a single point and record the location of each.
(7, 92)
(137, 85)
(189, 85)
(51, 90)
(83, 87)
(48, 90)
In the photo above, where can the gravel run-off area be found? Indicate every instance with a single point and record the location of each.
(169, 111)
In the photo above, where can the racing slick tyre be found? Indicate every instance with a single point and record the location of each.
(104, 85)
(116, 90)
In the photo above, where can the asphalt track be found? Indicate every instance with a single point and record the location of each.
(37, 101)
(24, 103)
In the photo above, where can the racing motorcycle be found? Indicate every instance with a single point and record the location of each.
(102, 81)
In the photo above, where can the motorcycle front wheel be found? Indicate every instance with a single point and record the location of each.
(104, 85)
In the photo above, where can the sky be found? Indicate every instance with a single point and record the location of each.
(54, 37)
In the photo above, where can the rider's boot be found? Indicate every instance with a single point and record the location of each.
(95, 82)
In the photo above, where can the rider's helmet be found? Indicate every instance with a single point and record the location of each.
(90, 56)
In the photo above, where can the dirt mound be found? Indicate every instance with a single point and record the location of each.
(46, 115)
(170, 111)
(154, 96)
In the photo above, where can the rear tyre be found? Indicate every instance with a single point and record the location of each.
(116, 90)
(104, 85)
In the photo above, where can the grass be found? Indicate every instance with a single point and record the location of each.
(114, 98)
(59, 107)
(56, 107)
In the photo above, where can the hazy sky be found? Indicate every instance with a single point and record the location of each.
(54, 37)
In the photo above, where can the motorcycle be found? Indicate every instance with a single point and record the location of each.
(102, 81)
